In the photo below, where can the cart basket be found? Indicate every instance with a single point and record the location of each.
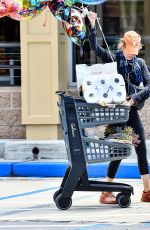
(96, 150)
(90, 115)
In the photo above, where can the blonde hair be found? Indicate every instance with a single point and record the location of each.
(121, 44)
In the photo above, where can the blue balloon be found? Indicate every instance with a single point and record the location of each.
(37, 2)
(92, 2)
(87, 2)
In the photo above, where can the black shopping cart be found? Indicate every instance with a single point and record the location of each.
(76, 115)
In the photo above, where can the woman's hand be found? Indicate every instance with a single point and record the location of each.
(92, 17)
(131, 101)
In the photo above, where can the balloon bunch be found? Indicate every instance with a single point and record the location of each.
(71, 16)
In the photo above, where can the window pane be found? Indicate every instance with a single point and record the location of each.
(9, 52)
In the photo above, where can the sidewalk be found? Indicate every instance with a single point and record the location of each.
(20, 160)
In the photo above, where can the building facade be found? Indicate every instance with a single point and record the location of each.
(36, 61)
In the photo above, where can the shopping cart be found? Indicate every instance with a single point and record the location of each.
(76, 115)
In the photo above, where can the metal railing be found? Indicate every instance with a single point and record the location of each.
(10, 65)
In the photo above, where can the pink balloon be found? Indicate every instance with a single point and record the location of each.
(3, 9)
(24, 10)
(11, 5)
(25, 15)
(20, 9)
(16, 16)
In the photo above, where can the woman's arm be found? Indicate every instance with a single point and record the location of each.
(145, 93)
(98, 50)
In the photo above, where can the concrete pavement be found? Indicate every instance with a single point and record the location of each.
(27, 203)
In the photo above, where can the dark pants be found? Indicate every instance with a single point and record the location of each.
(134, 122)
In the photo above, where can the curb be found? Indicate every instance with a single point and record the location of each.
(58, 169)
(5, 169)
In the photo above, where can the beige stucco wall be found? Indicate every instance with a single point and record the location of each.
(10, 114)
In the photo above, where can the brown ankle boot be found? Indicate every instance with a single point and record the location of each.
(107, 198)
(145, 196)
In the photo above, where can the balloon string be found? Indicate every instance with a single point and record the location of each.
(77, 8)
(45, 22)
(82, 4)
(81, 9)
(97, 19)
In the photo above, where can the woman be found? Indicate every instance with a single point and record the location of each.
(133, 70)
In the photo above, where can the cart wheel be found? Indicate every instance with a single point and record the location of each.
(58, 192)
(123, 200)
(63, 203)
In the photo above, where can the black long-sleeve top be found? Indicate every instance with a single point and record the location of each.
(105, 57)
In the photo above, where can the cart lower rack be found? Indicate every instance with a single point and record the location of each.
(76, 115)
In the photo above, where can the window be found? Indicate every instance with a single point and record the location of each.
(10, 71)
